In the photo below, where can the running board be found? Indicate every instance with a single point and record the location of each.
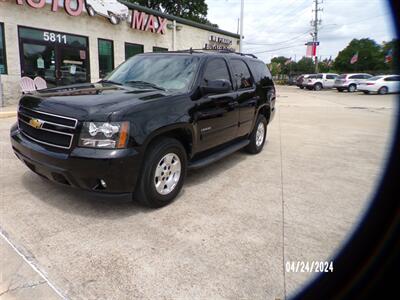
(199, 163)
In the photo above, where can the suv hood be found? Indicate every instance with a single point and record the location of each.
(91, 101)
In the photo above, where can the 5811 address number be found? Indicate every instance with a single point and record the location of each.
(54, 37)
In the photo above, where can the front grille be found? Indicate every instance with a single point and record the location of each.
(54, 130)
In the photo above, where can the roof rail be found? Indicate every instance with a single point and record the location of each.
(191, 50)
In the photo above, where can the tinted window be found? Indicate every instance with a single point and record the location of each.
(132, 50)
(106, 57)
(241, 74)
(160, 49)
(366, 76)
(356, 77)
(216, 69)
(3, 65)
(319, 76)
(393, 78)
(331, 76)
(261, 72)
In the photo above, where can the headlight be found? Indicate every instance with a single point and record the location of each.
(104, 135)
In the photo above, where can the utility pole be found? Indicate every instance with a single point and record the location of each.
(241, 26)
(315, 23)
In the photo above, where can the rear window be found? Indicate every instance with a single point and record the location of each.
(319, 76)
(342, 76)
(259, 70)
(329, 76)
(312, 77)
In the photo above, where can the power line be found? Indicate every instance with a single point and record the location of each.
(281, 42)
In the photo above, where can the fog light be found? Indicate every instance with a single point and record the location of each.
(103, 183)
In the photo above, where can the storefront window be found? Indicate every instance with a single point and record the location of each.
(59, 58)
(132, 49)
(159, 49)
(3, 63)
(106, 57)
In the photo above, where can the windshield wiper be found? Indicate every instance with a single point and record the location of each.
(109, 81)
(144, 83)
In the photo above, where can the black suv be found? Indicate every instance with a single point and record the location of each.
(151, 119)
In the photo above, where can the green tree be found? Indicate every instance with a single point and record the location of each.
(281, 61)
(370, 57)
(305, 66)
(188, 9)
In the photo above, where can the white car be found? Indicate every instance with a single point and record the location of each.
(350, 82)
(381, 84)
(111, 9)
(320, 81)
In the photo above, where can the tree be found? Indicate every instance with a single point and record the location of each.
(283, 64)
(188, 9)
(305, 65)
(370, 57)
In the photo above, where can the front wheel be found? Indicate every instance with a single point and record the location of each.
(258, 136)
(90, 11)
(163, 173)
(302, 87)
(113, 19)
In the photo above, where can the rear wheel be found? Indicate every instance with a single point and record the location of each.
(257, 136)
(352, 88)
(340, 90)
(317, 87)
(302, 87)
(90, 11)
(113, 19)
(163, 173)
(383, 90)
(366, 92)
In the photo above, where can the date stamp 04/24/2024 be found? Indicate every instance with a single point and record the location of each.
(309, 266)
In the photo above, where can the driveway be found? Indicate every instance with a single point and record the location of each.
(231, 230)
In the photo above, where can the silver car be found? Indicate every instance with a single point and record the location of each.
(349, 82)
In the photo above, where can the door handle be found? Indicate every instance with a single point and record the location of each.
(233, 104)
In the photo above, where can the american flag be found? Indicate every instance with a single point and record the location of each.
(389, 56)
(354, 59)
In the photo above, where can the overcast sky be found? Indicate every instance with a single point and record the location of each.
(281, 27)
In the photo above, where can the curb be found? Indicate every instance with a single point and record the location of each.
(7, 114)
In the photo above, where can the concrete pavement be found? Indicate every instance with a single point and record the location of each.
(236, 222)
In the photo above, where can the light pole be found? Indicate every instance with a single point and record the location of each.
(241, 26)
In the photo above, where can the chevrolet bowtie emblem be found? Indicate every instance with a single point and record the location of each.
(36, 123)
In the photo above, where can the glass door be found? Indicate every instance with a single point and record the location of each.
(72, 66)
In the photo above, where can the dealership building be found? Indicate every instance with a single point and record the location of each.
(74, 41)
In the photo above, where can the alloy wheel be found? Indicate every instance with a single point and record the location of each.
(167, 174)
(260, 134)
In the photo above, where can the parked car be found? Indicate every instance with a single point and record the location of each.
(350, 82)
(151, 119)
(300, 81)
(321, 81)
(111, 9)
(382, 85)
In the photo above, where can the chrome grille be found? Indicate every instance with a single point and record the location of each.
(52, 130)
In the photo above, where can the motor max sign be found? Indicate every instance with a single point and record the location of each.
(111, 9)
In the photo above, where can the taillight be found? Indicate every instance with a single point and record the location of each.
(370, 83)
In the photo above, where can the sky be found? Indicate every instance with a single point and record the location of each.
(282, 27)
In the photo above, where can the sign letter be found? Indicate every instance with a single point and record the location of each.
(150, 23)
(138, 20)
(36, 4)
(162, 23)
(73, 12)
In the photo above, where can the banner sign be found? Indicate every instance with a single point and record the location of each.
(218, 43)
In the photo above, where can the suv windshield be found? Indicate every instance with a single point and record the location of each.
(169, 72)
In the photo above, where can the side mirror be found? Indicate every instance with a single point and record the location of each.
(218, 86)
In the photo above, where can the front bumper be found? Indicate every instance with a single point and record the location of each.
(82, 167)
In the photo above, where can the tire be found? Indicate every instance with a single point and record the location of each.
(366, 92)
(352, 88)
(113, 19)
(302, 87)
(340, 90)
(256, 141)
(383, 90)
(148, 192)
(317, 87)
(91, 12)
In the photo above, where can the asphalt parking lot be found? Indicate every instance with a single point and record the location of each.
(231, 230)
